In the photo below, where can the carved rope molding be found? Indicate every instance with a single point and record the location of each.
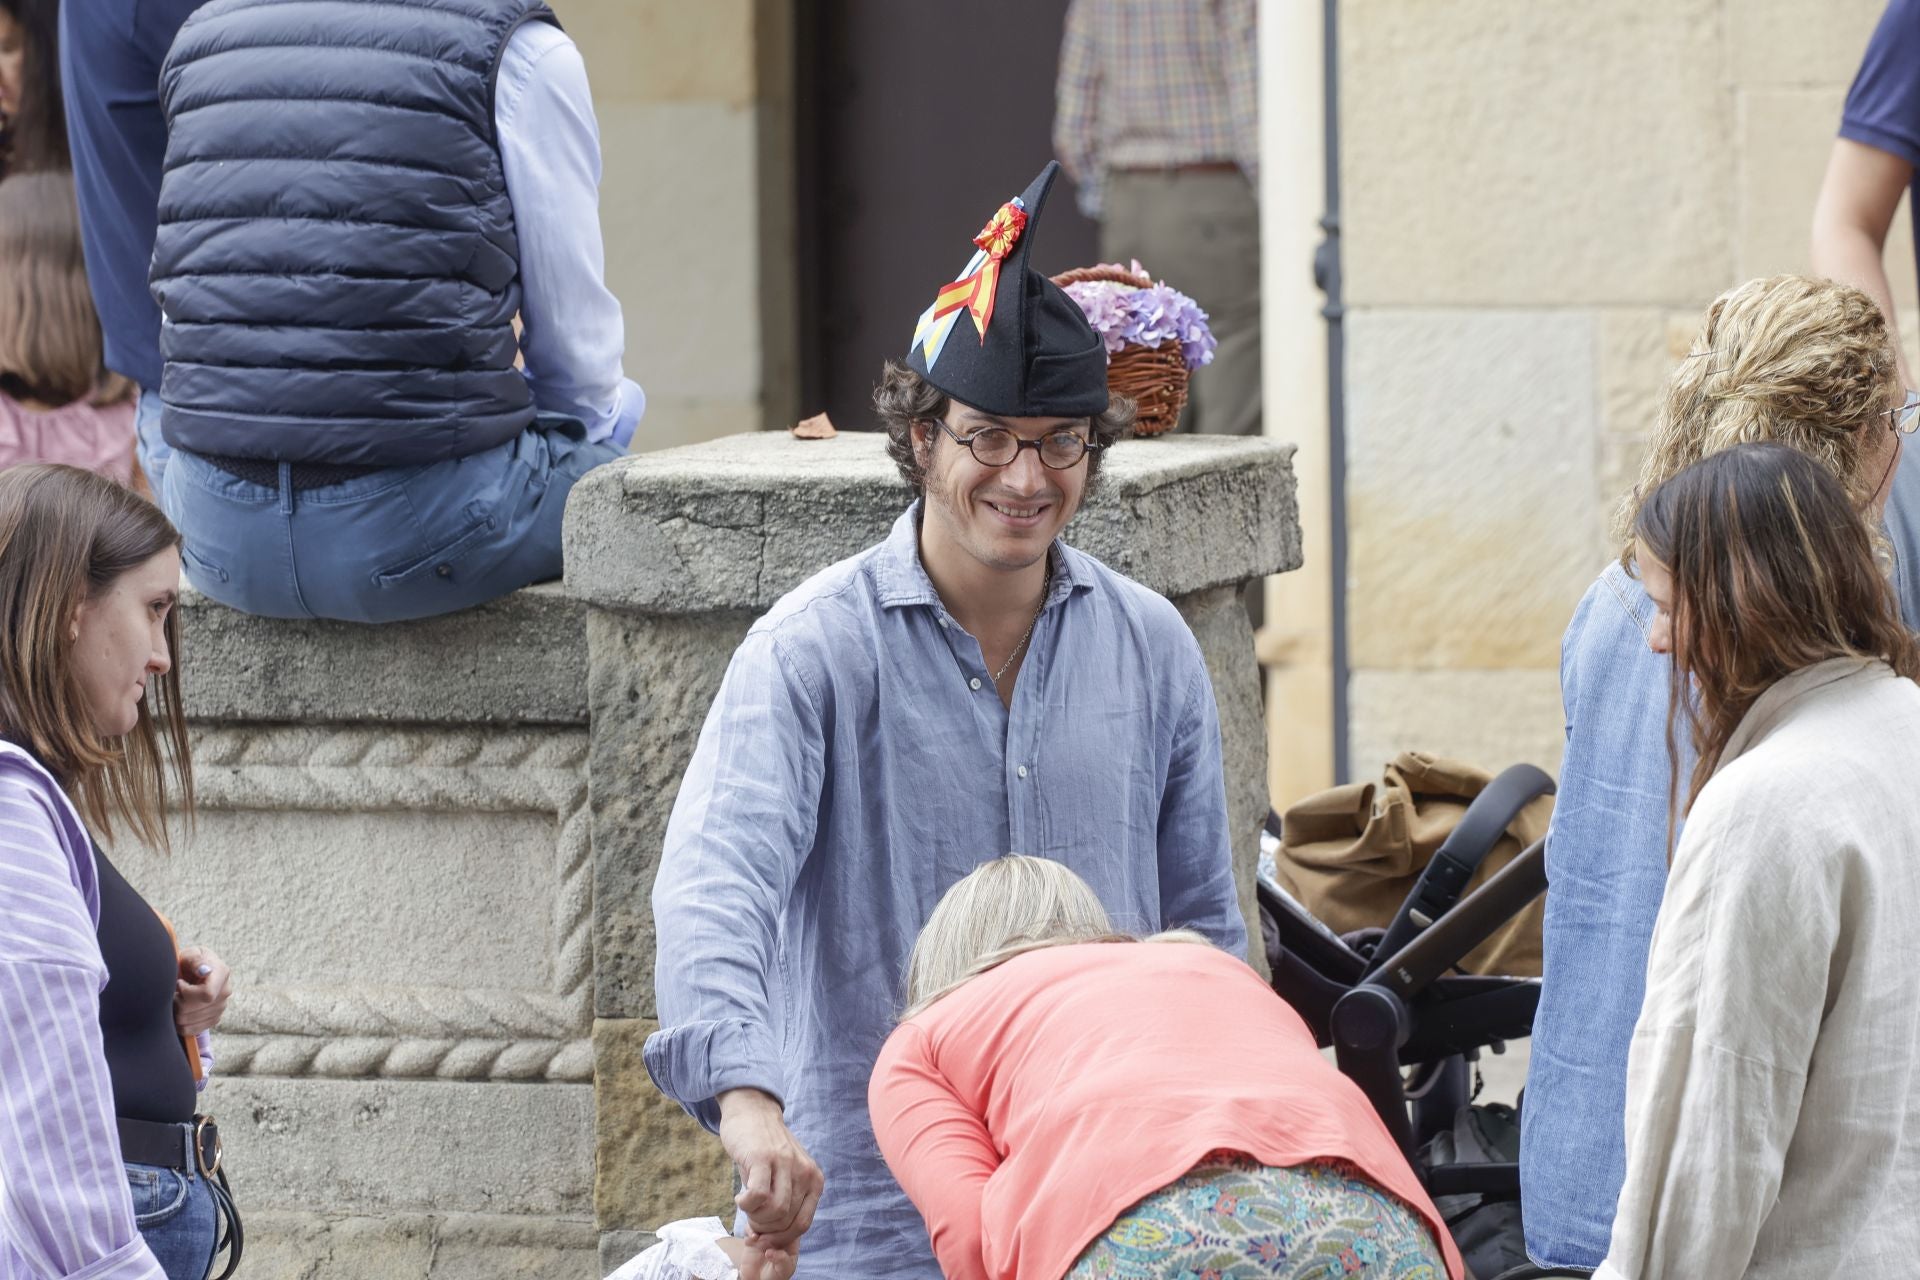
(415, 1032)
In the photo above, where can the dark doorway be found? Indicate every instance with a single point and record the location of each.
(915, 120)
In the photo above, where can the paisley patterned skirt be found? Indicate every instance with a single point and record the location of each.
(1232, 1218)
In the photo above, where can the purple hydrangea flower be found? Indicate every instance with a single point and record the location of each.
(1120, 314)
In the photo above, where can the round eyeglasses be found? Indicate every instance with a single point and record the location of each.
(1907, 416)
(999, 446)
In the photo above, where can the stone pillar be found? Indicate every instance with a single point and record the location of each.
(392, 853)
(676, 552)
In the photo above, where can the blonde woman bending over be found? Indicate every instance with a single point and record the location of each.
(1064, 1101)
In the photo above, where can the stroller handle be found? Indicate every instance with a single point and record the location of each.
(1460, 855)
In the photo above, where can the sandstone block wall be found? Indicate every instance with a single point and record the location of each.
(1540, 198)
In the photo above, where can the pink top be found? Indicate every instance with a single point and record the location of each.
(99, 438)
(1027, 1110)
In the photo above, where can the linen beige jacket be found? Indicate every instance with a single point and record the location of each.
(1773, 1088)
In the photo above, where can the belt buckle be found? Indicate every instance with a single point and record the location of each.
(200, 1126)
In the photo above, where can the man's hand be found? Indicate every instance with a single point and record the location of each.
(780, 1183)
(200, 995)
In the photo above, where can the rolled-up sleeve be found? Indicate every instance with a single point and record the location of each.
(741, 829)
(1197, 888)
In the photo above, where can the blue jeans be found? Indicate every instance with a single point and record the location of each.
(405, 542)
(175, 1214)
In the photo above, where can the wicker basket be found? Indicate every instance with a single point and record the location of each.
(1154, 378)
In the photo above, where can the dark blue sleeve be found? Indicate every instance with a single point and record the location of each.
(1883, 106)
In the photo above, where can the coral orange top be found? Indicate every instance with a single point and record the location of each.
(1025, 1111)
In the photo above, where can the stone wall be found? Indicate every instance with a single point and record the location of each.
(427, 849)
(1540, 198)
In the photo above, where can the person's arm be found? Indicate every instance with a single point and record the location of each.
(65, 1208)
(1197, 889)
(1858, 199)
(741, 829)
(1076, 107)
(1239, 51)
(1736, 992)
(937, 1147)
(573, 338)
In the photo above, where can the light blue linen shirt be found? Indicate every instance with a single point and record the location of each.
(573, 338)
(855, 764)
(1607, 872)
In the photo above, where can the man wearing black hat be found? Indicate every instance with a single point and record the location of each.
(969, 687)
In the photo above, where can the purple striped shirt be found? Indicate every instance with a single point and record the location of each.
(65, 1209)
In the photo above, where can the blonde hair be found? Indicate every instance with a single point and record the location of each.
(50, 343)
(1006, 908)
(1786, 359)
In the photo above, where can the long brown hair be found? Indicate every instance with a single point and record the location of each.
(65, 536)
(1773, 571)
(50, 344)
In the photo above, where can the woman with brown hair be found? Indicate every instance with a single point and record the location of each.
(1773, 1078)
(101, 1016)
(1802, 363)
(58, 402)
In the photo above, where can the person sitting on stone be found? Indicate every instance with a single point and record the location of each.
(1788, 360)
(971, 683)
(1252, 1156)
(351, 217)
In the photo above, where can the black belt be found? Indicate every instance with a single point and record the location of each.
(188, 1148)
(265, 472)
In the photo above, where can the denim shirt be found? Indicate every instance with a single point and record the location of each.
(858, 761)
(1607, 865)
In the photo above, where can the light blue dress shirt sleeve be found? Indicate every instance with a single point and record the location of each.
(574, 339)
(1607, 873)
(740, 830)
(1196, 847)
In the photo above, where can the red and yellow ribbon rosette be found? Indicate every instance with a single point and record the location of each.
(976, 291)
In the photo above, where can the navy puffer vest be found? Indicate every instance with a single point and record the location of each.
(336, 260)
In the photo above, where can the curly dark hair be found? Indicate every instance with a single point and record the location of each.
(904, 398)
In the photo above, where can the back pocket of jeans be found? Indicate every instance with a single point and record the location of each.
(442, 563)
(158, 1193)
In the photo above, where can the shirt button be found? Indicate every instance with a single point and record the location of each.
(974, 683)
(943, 624)
(1023, 771)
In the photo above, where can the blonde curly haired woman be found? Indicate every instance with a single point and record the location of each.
(1063, 1101)
(1786, 360)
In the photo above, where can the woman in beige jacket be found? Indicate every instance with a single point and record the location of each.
(1773, 1095)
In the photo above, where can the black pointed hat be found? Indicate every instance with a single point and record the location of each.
(1005, 339)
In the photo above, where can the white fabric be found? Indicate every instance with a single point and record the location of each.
(1773, 1100)
(686, 1251)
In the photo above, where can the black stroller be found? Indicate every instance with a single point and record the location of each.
(1407, 1029)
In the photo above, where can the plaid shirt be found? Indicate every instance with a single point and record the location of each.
(1155, 84)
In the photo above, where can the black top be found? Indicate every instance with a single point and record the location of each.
(151, 1077)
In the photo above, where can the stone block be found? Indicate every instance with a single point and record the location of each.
(655, 1164)
(1787, 135)
(641, 51)
(617, 1247)
(690, 289)
(1219, 622)
(1813, 43)
(379, 1148)
(1471, 500)
(1638, 351)
(1502, 154)
(737, 523)
(1489, 718)
(653, 680)
(315, 1246)
(518, 660)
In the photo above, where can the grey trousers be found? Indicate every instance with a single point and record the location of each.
(1199, 230)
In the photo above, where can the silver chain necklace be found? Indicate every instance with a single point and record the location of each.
(1046, 585)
